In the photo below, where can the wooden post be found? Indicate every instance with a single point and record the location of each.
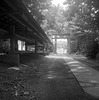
(12, 39)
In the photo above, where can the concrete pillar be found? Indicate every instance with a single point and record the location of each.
(12, 58)
(43, 48)
(25, 46)
(16, 45)
(21, 45)
(46, 46)
(55, 44)
(68, 46)
(35, 46)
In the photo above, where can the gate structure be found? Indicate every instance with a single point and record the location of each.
(70, 41)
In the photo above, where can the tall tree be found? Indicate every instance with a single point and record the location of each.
(55, 20)
(83, 17)
(36, 7)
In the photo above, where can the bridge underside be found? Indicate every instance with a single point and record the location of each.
(20, 32)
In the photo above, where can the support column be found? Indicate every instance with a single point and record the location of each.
(21, 45)
(68, 46)
(25, 46)
(35, 46)
(12, 58)
(12, 39)
(43, 49)
(46, 49)
(47, 52)
(16, 45)
(55, 44)
(46, 46)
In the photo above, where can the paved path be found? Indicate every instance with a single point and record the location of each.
(87, 76)
(57, 81)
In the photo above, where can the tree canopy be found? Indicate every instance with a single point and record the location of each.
(84, 21)
(80, 18)
(36, 7)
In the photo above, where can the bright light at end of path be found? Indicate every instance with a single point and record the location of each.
(58, 2)
(57, 57)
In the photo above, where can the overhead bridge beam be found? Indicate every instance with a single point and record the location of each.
(59, 35)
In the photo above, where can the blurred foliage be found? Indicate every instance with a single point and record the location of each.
(55, 21)
(89, 47)
(35, 7)
(80, 18)
(83, 16)
(4, 46)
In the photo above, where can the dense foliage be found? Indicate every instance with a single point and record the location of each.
(36, 7)
(84, 21)
(80, 18)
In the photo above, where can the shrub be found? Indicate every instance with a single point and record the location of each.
(90, 48)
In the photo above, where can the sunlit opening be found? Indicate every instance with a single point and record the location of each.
(61, 46)
(57, 57)
(21, 45)
(58, 2)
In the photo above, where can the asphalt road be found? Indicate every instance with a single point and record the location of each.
(57, 82)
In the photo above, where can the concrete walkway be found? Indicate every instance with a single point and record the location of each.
(57, 82)
(87, 76)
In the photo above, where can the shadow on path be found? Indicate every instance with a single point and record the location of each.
(57, 81)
